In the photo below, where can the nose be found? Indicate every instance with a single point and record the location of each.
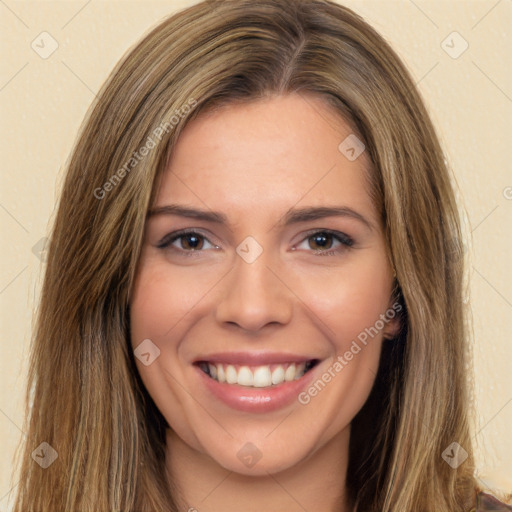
(254, 295)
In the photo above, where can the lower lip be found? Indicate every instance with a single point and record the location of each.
(257, 400)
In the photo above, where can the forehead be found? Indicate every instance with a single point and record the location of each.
(268, 154)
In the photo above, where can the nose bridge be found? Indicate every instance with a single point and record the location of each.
(254, 296)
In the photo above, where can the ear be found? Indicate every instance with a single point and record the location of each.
(392, 327)
(394, 313)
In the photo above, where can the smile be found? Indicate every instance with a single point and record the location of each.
(254, 382)
(260, 376)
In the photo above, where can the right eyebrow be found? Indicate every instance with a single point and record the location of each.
(185, 211)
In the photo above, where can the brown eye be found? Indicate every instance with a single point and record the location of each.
(326, 242)
(185, 242)
(321, 241)
(191, 241)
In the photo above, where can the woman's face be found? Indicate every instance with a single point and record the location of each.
(258, 331)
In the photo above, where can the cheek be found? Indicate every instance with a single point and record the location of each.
(163, 298)
(162, 304)
(348, 306)
(348, 302)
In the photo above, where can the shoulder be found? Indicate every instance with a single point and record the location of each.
(487, 502)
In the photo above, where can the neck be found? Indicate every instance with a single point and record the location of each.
(316, 483)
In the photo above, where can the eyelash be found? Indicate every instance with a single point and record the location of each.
(346, 241)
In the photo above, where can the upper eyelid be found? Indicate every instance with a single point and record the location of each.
(176, 235)
(338, 235)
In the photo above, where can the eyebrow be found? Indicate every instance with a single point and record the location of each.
(292, 216)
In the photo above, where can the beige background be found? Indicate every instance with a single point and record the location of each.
(43, 101)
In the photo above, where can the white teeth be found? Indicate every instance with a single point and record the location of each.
(245, 377)
(258, 377)
(213, 370)
(231, 375)
(300, 370)
(278, 375)
(262, 377)
(289, 374)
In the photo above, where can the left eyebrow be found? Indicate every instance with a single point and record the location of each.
(316, 213)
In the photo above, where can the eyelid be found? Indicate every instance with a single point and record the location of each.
(345, 240)
(170, 238)
(333, 232)
(166, 242)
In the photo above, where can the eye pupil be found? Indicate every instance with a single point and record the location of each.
(322, 239)
(192, 242)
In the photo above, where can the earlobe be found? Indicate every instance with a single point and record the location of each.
(392, 328)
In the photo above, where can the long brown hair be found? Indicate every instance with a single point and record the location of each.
(89, 403)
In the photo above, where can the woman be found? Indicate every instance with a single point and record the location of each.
(253, 297)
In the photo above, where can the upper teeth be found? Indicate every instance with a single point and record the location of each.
(256, 376)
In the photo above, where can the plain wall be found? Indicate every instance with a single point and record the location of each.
(43, 102)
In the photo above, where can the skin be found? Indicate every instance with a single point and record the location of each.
(253, 162)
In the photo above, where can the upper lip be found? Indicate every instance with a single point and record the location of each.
(253, 358)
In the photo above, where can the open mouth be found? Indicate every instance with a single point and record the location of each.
(261, 376)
